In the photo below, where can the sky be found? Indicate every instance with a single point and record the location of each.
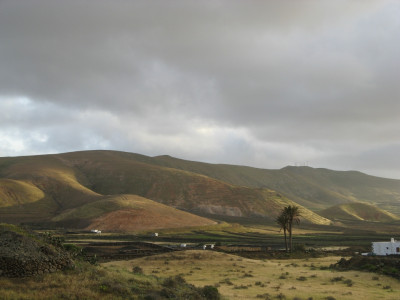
(258, 83)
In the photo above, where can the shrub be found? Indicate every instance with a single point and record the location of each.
(114, 286)
(283, 276)
(349, 282)
(210, 292)
(336, 279)
(265, 296)
(173, 282)
(280, 296)
(301, 278)
(137, 270)
(226, 281)
(387, 287)
(239, 287)
(73, 249)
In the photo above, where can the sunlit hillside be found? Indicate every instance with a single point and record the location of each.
(79, 188)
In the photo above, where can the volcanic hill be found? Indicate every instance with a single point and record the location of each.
(82, 188)
(119, 191)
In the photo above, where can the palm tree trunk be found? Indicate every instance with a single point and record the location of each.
(290, 237)
(286, 242)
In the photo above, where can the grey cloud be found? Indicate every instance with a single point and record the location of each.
(250, 82)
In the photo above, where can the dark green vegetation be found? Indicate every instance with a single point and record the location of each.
(118, 191)
(377, 264)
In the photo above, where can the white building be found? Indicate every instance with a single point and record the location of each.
(386, 248)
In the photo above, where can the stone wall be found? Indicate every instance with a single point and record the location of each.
(23, 255)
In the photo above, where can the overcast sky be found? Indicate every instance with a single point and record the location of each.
(259, 83)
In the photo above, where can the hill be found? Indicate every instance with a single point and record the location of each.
(358, 212)
(128, 213)
(37, 188)
(314, 188)
(72, 184)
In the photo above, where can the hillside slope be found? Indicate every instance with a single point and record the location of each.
(71, 183)
(125, 173)
(358, 212)
(128, 213)
(313, 188)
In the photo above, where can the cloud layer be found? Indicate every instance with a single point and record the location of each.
(266, 84)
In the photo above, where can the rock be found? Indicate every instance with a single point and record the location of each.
(23, 254)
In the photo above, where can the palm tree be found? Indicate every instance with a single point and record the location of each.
(282, 221)
(292, 213)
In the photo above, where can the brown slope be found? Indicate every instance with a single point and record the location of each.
(122, 173)
(358, 212)
(74, 179)
(314, 188)
(47, 186)
(18, 192)
(122, 213)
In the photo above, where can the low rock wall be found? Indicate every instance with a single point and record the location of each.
(23, 255)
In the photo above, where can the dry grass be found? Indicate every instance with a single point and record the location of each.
(84, 283)
(240, 278)
(92, 282)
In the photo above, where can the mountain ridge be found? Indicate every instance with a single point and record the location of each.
(54, 184)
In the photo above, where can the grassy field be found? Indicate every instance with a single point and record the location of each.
(235, 277)
(241, 278)
(95, 282)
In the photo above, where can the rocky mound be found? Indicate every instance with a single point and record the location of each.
(23, 254)
(387, 265)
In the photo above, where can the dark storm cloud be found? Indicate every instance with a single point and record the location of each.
(265, 83)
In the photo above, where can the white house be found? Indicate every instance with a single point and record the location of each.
(386, 248)
(95, 231)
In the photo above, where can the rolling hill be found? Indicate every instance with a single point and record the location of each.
(358, 212)
(314, 188)
(128, 213)
(79, 188)
(85, 186)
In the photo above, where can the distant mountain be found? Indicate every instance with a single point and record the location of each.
(358, 212)
(82, 188)
(315, 189)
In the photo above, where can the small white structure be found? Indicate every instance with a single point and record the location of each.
(95, 231)
(386, 248)
(183, 245)
(155, 234)
(208, 246)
